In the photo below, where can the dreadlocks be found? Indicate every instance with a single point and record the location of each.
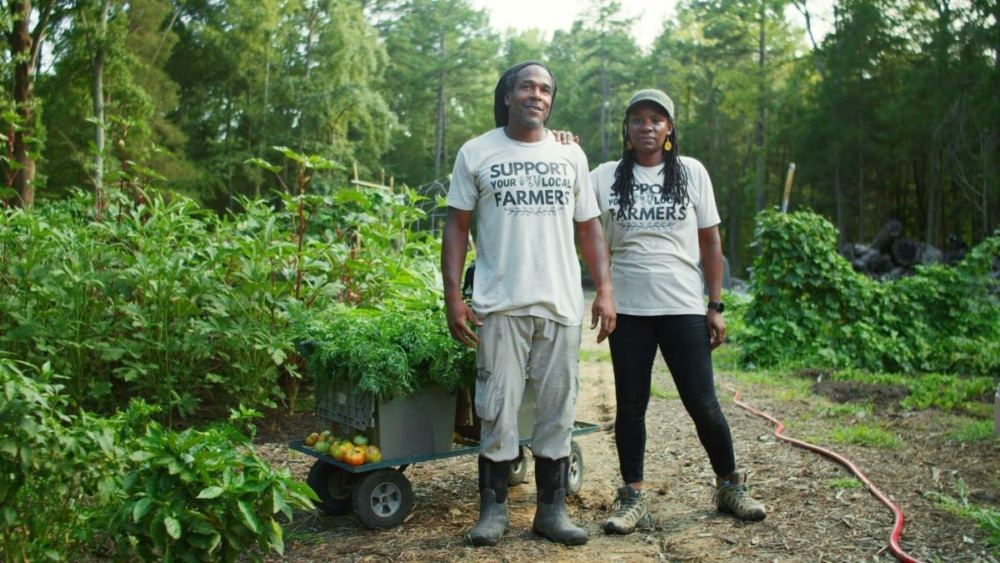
(675, 178)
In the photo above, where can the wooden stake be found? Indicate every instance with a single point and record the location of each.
(788, 187)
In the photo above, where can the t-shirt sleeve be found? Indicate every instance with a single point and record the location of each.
(702, 195)
(586, 197)
(463, 193)
(601, 179)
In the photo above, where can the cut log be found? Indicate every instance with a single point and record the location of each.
(884, 239)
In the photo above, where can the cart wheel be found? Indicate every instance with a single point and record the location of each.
(383, 498)
(574, 481)
(518, 469)
(333, 487)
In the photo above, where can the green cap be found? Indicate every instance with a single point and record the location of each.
(655, 96)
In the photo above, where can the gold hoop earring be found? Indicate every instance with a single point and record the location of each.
(628, 144)
(667, 146)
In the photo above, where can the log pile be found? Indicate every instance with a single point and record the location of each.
(891, 255)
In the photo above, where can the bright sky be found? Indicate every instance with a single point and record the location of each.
(550, 15)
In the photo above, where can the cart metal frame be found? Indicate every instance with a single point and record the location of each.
(382, 497)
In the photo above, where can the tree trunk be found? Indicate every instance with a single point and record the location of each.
(440, 120)
(97, 93)
(761, 54)
(605, 133)
(24, 50)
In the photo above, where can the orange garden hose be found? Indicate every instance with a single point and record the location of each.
(897, 528)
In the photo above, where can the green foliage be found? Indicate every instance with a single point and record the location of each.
(929, 390)
(386, 353)
(57, 468)
(988, 518)
(164, 301)
(849, 483)
(972, 431)
(810, 308)
(203, 496)
(68, 480)
(867, 436)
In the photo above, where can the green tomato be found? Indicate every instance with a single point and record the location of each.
(322, 446)
(361, 440)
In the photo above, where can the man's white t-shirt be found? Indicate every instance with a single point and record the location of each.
(526, 197)
(654, 245)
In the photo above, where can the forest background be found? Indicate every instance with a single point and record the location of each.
(892, 114)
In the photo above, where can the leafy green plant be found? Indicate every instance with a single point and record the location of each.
(987, 518)
(203, 495)
(385, 353)
(810, 308)
(56, 467)
(167, 302)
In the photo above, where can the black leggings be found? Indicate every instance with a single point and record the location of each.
(686, 347)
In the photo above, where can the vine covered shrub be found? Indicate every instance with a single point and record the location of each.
(810, 308)
(386, 353)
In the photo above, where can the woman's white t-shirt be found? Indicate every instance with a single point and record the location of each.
(654, 245)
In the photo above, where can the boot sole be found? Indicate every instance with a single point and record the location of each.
(570, 541)
(483, 542)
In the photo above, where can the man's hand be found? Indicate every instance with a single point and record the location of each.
(716, 327)
(566, 137)
(603, 309)
(459, 316)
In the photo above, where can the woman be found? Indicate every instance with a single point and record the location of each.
(661, 220)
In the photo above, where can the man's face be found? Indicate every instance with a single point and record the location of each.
(530, 98)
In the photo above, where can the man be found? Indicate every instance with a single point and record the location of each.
(531, 194)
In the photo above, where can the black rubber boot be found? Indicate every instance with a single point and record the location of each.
(494, 520)
(551, 520)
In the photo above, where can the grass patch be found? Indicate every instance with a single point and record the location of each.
(972, 431)
(595, 356)
(932, 390)
(848, 483)
(846, 410)
(866, 436)
(660, 393)
(987, 518)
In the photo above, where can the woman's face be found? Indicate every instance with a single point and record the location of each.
(648, 127)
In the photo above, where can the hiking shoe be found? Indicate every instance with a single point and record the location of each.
(630, 512)
(732, 495)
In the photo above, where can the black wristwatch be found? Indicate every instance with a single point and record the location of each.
(717, 305)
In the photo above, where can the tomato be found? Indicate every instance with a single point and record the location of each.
(312, 439)
(361, 440)
(372, 454)
(322, 446)
(354, 456)
(338, 450)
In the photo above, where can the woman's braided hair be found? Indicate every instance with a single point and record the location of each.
(675, 178)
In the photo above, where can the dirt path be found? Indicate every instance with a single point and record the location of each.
(809, 519)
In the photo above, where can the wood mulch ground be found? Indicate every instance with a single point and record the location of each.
(809, 518)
